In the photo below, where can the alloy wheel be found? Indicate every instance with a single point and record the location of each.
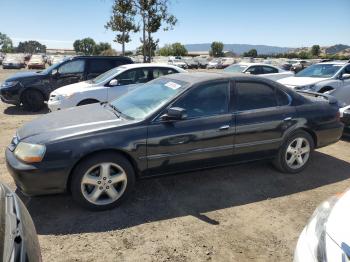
(297, 153)
(104, 183)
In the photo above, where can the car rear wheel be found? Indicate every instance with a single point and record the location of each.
(33, 100)
(102, 181)
(295, 153)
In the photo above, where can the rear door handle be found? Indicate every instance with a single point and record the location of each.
(225, 127)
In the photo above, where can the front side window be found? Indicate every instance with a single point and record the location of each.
(72, 67)
(235, 68)
(254, 95)
(206, 100)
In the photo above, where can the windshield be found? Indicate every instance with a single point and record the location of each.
(148, 98)
(319, 70)
(106, 75)
(235, 68)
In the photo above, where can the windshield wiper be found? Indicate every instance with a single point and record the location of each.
(115, 110)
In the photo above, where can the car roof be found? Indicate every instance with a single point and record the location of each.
(257, 64)
(334, 63)
(142, 65)
(103, 57)
(200, 77)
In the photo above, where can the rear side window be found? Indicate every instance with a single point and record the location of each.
(254, 95)
(99, 66)
(158, 72)
(255, 70)
(269, 70)
(282, 98)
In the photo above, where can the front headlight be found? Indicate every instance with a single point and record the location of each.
(30, 153)
(63, 96)
(9, 84)
(316, 229)
(307, 87)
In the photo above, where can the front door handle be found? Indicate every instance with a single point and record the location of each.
(225, 127)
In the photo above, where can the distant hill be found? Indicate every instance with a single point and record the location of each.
(334, 49)
(240, 48)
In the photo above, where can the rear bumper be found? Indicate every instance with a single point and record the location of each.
(32, 180)
(329, 134)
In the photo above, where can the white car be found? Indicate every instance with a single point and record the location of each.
(321, 77)
(213, 63)
(326, 237)
(264, 70)
(178, 63)
(109, 85)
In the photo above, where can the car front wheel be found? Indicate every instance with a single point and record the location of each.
(102, 181)
(295, 153)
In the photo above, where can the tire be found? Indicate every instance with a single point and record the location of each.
(301, 155)
(91, 190)
(33, 100)
(87, 102)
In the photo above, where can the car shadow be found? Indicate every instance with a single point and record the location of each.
(192, 193)
(19, 110)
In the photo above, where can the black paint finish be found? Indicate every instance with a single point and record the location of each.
(155, 147)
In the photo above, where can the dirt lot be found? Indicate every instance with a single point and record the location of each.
(242, 213)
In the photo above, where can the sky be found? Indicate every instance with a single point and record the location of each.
(285, 23)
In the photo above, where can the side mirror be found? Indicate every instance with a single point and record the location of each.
(174, 114)
(345, 76)
(113, 82)
(54, 72)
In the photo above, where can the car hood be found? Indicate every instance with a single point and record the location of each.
(300, 81)
(73, 88)
(337, 226)
(70, 122)
(24, 75)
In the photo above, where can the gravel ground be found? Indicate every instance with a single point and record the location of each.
(241, 213)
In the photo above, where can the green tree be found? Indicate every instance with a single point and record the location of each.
(85, 46)
(154, 13)
(108, 52)
(175, 49)
(6, 44)
(31, 47)
(122, 21)
(101, 47)
(315, 50)
(304, 55)
(217, 49)
(251, 53)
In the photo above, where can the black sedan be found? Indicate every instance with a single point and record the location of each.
(170, 125)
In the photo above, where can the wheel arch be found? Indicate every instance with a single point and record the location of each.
(305, 129)
(92, 100)
(93, 153)
(29, 89)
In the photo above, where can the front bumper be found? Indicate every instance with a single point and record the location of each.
(32, 180)
(54, 105)
(11, 66)
(302, 251)
(10, 95)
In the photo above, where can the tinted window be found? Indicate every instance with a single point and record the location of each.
(269, 70)
(100, 66)
(347, 70)
(158, 72)
(282, 97)
(254, 95)
(135, 76)
(206, 100)
(72, 67)
(254, 70)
